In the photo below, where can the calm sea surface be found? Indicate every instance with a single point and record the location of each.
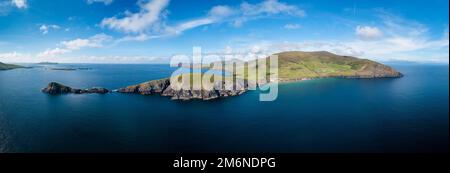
(408, 114)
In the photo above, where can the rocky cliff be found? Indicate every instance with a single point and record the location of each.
(56, 88)
(163, 87)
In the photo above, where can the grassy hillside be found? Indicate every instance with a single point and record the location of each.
(294, 65)
(297, 65)
(9, 66)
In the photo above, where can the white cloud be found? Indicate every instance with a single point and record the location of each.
(187, 25)
(15, 57)
(266, 8)
(21, 4)
(292, 26)
(270, 7)
(76, 44)
(53, 52)
(140, 37)
(220, 11)
(149, 21)
(402, 39)
(150, 13)
(45, 28)
(368, 33)
(106, 2)
(94, 41)
(7, 5)
(435, 51)
(215, 15)
(126, 59)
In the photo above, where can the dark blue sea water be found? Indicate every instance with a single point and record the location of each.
(408, 114)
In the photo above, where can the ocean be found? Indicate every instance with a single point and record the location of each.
(408, 114)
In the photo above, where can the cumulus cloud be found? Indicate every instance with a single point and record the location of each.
(150, 22)
(292, 26)
(15, 57)
(237, 16)
(76, 44)
(270, 7)
(220, 11)
(7, 5)
(106, 2)
(45, 28)
(149, 14)
(265, 9)
(368, 33)
(402, 37)
(21, 4)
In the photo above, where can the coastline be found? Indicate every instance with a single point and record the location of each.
(287, 81)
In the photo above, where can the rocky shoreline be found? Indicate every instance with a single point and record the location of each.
(159, 87)
(345, 77)
(163, 87)
(54, 88)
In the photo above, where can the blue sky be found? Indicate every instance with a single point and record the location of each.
(151, 31)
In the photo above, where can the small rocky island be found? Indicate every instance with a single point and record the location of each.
(47, 63)
(161, 87)
(57, 88)
(293, 66)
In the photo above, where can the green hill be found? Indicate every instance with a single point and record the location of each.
(9, 66)
(297, 65)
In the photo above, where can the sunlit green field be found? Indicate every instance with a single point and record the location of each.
(298, 65)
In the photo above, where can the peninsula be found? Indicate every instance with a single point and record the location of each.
(9, 66)
(292, 66)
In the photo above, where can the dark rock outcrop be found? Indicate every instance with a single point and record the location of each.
(163, 88)
(57, 88)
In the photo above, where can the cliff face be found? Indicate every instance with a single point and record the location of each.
(376, 70)
(147, 88)
(56, 88)
(164, 88)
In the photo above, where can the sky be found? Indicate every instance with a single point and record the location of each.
(152, 31)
